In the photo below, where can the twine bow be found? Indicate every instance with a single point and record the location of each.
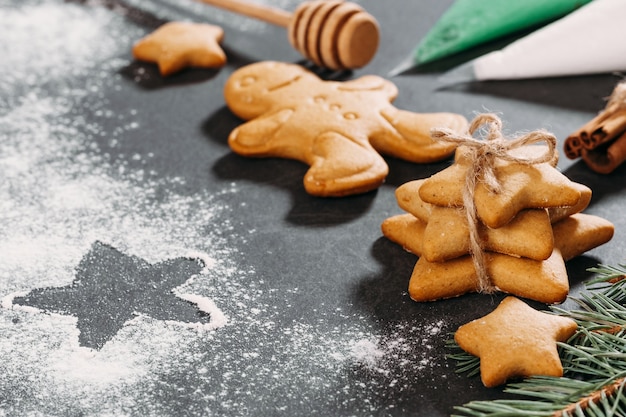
(482, 154)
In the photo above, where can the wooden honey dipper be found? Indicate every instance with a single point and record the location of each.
(333, 34)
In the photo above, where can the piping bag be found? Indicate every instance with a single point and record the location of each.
(590, 40)
(469, 23)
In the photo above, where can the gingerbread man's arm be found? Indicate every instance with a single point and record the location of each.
(408, 135)
(340, 166)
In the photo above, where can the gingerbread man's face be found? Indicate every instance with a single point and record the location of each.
(249, 91)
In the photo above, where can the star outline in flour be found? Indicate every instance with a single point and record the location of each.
(111, 289)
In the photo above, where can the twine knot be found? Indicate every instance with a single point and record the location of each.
(482, 154)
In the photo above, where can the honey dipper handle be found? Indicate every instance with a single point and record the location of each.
(265, 13)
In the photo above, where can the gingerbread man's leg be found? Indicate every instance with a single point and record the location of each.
(340, 166)
(409, 138)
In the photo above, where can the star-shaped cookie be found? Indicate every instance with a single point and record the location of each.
(515, 341)
(544, 281)
(446, 236)
(337, 128)
(522, 187)
(178, 45)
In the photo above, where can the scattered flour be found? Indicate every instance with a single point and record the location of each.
(366, 351)
(59, 193)
(379, 353)
(218, 319)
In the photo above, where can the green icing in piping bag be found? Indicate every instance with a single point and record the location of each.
(468, 23)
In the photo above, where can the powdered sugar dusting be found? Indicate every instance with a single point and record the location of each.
(41, 59)
(59, 194)
(60, 191)
(366, 351)
(379, 353)
(206, 305)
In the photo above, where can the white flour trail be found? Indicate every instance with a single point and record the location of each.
(59, 193)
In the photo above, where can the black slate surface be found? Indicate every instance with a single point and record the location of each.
(323, 263)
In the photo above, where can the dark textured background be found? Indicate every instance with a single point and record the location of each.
(332, 249)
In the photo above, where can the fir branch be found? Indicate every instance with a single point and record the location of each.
(607, 274)
(554, 397)
(599, 396)
(604, 271)
(465, 363)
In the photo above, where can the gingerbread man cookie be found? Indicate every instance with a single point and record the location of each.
(178, 45)
(337, 128)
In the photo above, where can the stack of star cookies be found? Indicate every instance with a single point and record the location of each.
(526, 230)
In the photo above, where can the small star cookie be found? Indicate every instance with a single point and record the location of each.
(515, 341)
(337, 128)
(544, 281)
(528, 234)
(523, 186)
(178, 45)
(572, 233)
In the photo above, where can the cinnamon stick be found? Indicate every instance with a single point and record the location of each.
(611, 127)
(601, 142)
(573, 146)
(577, 141)
(605, 158)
